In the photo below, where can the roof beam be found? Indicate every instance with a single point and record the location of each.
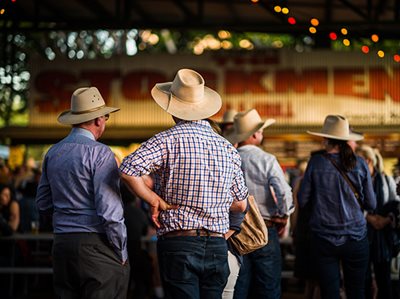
(95, 7)
(355, 9)
(380, 9)
(188, 13)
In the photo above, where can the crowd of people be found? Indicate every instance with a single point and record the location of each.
(195, 179)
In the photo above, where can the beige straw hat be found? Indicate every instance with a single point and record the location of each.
(246, 124)
(228, 116)
(86, 104)
(187, 97)
(337, 127)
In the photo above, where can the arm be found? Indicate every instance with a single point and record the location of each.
(14, 216)
(235, 221)
(108, 203)
(239, 189)
(44, 200)
(239, 206)
(281, 189)
(140, 188)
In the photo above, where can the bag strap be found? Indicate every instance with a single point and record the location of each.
(346, 178)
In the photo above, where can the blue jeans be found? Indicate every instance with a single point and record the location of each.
(193, 267)
(353, 256)
(260, 273)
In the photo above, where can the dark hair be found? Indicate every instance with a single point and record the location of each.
(346, 154)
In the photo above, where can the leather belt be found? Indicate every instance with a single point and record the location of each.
(192, 233)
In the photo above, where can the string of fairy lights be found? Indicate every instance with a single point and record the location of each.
(372, 45)
(342, 34)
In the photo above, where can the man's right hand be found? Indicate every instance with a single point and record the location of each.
(157, 206)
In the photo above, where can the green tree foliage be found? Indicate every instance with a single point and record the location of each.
(14, 79)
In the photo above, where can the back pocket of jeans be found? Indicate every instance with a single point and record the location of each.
(177, 266)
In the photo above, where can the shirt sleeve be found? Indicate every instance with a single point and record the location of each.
(239, 189)
(145, 160)
(44, 199)
(108, 202)
(282, 190)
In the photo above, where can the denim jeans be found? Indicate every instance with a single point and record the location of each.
(260, 273)
(353, 256)
(193, 267)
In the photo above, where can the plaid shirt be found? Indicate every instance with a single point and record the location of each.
(194, 168)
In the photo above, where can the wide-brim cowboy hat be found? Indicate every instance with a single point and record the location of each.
(337, 127)
(187, 97)
(86, 104)
(246, 124)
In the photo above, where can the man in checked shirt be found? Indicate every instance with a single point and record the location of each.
(197, 181)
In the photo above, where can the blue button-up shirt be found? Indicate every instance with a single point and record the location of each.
(263, 175)
(194, 168)
(80, 186)
(336, 215)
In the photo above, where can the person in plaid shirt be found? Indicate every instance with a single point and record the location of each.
(197, 181)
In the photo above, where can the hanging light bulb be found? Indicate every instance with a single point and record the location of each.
(365, 49)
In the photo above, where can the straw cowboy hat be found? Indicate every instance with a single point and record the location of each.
(228, 117)
(246, 124)
(86, 104)
(187, 97)
(337, 127)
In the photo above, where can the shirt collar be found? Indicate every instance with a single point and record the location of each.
(83, 132)
(201, 122)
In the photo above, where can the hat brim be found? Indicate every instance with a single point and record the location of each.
(205, 108)
(68, 118)
(233, 138)
(351, 136)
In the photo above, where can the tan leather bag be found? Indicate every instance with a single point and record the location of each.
(254, 232)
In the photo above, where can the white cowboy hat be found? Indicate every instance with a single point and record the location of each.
(86, 104)
(187, 97)
(337, 127)
(246, 124)
(228, 117)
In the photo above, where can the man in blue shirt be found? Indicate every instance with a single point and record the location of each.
(261, 269)
(80, 188)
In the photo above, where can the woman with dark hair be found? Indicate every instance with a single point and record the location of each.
(337, 188)
(9, 211)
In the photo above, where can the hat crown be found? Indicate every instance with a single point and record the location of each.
(85, 100)
(188, 86)
(247, 121)
(336, 125)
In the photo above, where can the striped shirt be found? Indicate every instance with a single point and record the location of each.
(194, 168)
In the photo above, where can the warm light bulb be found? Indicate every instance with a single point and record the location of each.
(333, 36)
(346, 42)
(254, 1)
(343, 31)
(2, 11)
(375, 38)
(365, 49)
(314, 22)
(291, 20)
(285, 10)
(277, 8)
(396, 57)
(312, 30)
(381, 54)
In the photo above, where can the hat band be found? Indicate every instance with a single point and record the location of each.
(88, 111)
